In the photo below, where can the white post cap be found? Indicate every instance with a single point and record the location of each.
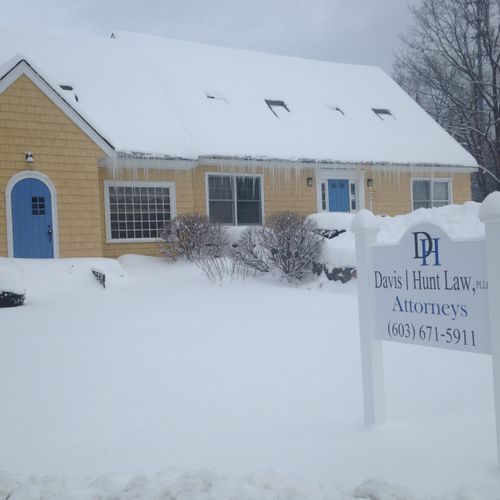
(490, 208)
(365, 222)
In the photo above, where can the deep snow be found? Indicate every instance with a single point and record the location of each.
(249, 389)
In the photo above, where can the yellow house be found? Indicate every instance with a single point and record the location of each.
(102, 141)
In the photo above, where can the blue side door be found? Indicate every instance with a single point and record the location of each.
(32, 219)
(338, 195)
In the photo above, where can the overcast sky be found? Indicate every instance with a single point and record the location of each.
(353, 31)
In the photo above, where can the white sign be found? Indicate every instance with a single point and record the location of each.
(431, 290)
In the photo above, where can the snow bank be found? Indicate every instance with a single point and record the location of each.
(458, 221)
(246, 376)
(66, 274)
(10, 277)
(197, 485)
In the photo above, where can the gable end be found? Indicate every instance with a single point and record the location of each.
(22, 67)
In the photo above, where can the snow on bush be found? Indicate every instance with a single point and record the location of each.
(193, 236)
(458, 221)
(287, 245)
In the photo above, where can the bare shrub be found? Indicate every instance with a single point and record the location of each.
(288, 245)
(192, 237)
(220, 268)
(249, 250)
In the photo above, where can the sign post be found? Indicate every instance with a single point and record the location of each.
(427, 289)
(364, 227)
(490, 216)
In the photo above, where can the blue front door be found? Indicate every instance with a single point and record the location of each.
(338, 195)
(32, 219)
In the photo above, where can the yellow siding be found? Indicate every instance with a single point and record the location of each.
(392, 195)
(29, 121)
(285, 190)
(461, 188)
(282, 191)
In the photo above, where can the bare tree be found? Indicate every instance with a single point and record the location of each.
(450, 64)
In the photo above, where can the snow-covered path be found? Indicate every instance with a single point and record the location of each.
(163, 369)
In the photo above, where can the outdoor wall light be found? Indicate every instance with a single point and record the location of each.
(309, 181)
(29, 157)
(369, 183)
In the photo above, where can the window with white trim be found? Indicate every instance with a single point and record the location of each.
(235, 199)
(428, 193)
(138, 211)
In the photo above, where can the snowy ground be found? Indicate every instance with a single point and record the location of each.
(241, 390)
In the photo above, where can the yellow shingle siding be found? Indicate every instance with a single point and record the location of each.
(30, 121)
(392, 194)
(282, 191)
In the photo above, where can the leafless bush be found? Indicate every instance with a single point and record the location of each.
(249, 251)
(287, 245)
(192, 237)
(220, 268)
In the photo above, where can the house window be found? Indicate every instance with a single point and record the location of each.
(352, 195)
(323, 196)
(235, 199)
(138, 211)
(38, 205)
(429, 193)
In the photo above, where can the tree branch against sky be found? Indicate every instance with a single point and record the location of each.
(450, 64)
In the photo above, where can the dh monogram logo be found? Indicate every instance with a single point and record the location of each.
(425, 246)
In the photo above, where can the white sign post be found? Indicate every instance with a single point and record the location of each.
(427, 289)
(372, 370)
(490, 216)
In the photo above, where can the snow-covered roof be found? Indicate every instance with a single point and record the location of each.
(160, 96)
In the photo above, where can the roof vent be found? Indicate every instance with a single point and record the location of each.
(69, 88)
(337, 109)
(214, 97)
(276, 106)
(382, 113)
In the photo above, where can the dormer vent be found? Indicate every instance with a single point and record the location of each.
(382, 113)
(214, 97)
(338, 109)
(276, 106)
(69, 88)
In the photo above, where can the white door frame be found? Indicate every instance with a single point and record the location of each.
(356, 177)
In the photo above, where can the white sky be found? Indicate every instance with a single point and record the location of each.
(352, 31)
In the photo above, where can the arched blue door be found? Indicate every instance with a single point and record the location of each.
(32, 219)
(338, 195)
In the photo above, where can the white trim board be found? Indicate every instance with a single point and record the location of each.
(29, 174)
